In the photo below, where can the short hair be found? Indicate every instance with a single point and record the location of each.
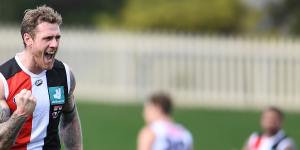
(33, 17)
(276, 110)
(163, 101)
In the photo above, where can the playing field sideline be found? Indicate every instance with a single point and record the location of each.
(114, 127)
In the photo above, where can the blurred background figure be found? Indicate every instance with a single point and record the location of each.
(272, 136)
(161, 132)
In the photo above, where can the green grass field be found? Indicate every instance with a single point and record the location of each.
(115, 127)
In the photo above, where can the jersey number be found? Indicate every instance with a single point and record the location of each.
(174, 145)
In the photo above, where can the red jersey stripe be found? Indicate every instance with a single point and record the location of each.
(15, 84)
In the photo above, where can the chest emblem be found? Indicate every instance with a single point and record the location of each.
(56, 95)
(38, 82)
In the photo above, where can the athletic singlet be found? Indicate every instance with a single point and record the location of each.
(50, 88)
(277, 142)
(170, 136)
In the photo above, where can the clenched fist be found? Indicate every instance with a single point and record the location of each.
(25, 103)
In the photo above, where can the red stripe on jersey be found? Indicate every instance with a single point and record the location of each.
(257, 142)
(15, 84)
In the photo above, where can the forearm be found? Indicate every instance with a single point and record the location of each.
(70, 131)
(9, 130)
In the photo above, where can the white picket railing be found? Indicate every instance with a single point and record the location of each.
(198, 70)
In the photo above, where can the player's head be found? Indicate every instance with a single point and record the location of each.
(41, 33)
(158, 105)
(271, 120)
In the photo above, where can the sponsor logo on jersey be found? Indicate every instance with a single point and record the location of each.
(56, 111)
(56, 95)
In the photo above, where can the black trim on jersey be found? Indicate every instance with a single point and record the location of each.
(55, 77)
(10, 68)
(274, 147)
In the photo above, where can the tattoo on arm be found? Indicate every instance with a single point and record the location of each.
(9, 130)
(70, 129)
(4, 112)
(9, 125)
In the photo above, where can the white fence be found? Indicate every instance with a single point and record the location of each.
(197, 70)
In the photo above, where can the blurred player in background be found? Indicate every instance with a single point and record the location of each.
(272, 136)
(161, 132)
(37, 104)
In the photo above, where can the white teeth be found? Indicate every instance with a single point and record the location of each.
(50, 53)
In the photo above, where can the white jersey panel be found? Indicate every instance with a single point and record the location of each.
(171, 136)
(267, 143)
(41, 113)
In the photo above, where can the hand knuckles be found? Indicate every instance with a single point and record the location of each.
(32, 98)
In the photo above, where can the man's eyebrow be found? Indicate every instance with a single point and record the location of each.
(47, 37)
(50, 37)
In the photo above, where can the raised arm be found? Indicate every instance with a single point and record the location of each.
(70, 130)
(10, 125)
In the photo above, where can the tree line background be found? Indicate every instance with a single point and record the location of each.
(196, 16)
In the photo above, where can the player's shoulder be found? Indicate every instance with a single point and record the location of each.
(58, 64)
(182, 127)
(288, 142)
(9, 67)
(188, 134)
(145, 129)
(8, 63)
(159, 127)
(146, 132)
(255, 135)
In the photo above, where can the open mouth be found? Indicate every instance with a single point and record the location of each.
(49, 55)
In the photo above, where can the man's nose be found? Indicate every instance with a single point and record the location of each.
(54, 43)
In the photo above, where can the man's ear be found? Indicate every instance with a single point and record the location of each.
(28, 40)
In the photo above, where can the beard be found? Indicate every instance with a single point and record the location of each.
(44, 61)
(272, 131)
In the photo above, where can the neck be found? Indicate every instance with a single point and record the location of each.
(28, 62)
(164, 118)
(271, 133)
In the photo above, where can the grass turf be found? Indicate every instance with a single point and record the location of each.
(115, 127)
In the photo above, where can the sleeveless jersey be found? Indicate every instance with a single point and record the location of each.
(50, 88)
(277, 142)
(171, 136)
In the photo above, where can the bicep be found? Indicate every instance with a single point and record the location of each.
(69, 112)
(246, 145)
(2, 90)
(4, 109)
(249, 141)
(70, 104)
(145, 139)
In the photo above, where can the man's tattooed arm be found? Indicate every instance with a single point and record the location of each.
(70, 129)
(9, 125)
(9, 129)
(4, 111)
